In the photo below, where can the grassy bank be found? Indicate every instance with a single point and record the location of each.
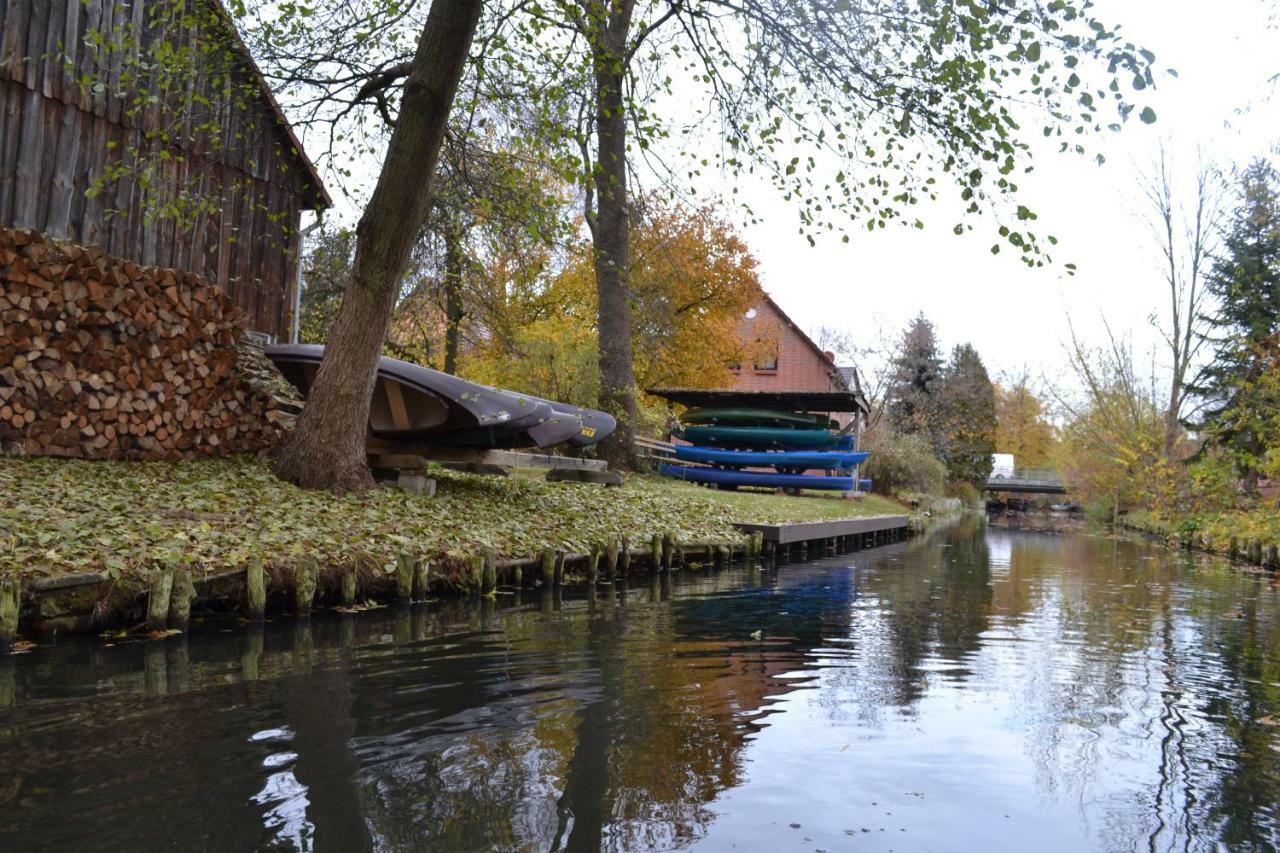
(1240, 534)
(66, 516)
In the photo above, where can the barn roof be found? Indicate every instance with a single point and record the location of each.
(322, 197)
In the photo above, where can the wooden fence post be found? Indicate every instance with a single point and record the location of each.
(256, 588)
(159, 588)
(305, 570)
(10, 601)
(180, 597)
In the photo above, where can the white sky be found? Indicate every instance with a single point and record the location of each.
(1224, 53)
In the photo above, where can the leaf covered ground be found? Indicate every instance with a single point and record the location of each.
(63, 516)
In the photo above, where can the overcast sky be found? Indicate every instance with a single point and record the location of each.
(1224, 53)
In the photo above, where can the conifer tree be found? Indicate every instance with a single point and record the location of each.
(911, 400)
(1237, 394)
(967, 417)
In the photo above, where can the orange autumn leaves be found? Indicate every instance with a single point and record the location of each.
(692, 279)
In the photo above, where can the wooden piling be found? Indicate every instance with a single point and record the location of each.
(548, 567)
(1271, 557)
(722, 556)
(1255, 551)
(349, 586)
(610, 558)
(256, 588)
(655, 552)
(593, 565)
(668, 550)
(1233, 548)
(10, 601)
(304, 584)
(159, 588)
(180, 596)
(624, 555)
(489, 584)
(405, 565)
(475, 574)
(422, 580)
(560, 555)
(757, 543)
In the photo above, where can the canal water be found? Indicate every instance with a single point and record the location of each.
(980, 689)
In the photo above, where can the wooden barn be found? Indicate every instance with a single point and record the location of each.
(143, 127)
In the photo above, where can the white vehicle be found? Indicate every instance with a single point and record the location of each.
(1001, 466)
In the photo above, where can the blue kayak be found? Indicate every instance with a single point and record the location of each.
(772, 480)
(826, 460)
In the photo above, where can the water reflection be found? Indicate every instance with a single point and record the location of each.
(978, 689)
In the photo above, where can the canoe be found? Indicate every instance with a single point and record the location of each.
(756, 418)
(594, 425)
(765, 438)
(412, 402)
(720, 476)
(778, 459)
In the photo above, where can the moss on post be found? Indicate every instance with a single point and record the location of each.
(624, 554)
(304, 584)
(668, 550)
(256, 589)
(159, 588)
(421, 579)
(611, 558)
(349, 577)
(548, 567)
(655, 552)
(593, 565)
(489, 582)
(10, 601)
(405, 564)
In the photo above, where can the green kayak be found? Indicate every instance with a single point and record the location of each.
(764, 438)
(756, 418)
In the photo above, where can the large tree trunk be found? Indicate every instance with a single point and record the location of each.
(327, 450)
(612, 23)
(453, 310)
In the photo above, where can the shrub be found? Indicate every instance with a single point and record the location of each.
(905, 463)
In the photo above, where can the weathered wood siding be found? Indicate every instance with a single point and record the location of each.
(72, 113)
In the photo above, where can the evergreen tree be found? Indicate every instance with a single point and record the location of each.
(1238, 399)
(967, 417)
(911, 400)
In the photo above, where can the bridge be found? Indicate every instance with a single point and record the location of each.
(1028, 481)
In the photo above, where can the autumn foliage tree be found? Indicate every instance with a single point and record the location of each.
(1022, 426)
(692, 280)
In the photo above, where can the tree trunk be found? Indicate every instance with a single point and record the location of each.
(610, 233)
(453, 262)
(327, 448)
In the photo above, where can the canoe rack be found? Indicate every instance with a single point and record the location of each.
(411, 459)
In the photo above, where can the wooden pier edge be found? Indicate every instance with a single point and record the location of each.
(808, 531)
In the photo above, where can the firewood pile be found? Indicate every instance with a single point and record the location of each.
(105, 359)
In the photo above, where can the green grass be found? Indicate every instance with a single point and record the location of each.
(64, 516)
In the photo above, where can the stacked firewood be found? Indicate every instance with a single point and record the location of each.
(105, 359)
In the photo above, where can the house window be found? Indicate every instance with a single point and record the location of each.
(766, 358)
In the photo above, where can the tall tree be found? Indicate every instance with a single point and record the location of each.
(1237, 394)
(914, 383)
(852, 109)
(326, 449)
(1184, 229)
(1021, 426)
(967, 416)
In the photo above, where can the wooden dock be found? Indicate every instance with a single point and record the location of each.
(880, 529)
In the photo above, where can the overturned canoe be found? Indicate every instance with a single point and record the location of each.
(765, 438)
(411, 402)
(796, 459)
(750, 417)
(595, 425)
(722, 477)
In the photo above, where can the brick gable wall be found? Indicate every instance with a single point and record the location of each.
(800, 368)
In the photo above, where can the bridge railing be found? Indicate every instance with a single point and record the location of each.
(1043, 474)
